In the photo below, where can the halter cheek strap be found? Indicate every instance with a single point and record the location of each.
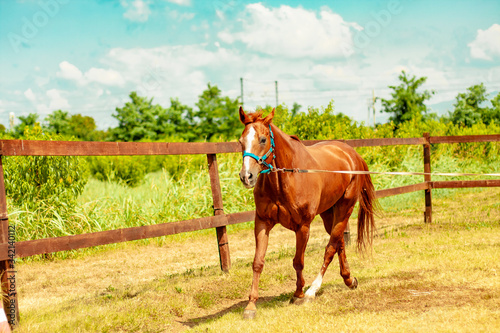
(262, 160)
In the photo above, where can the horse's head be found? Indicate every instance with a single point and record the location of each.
(256, 144)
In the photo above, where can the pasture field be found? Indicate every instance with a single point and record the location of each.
(440, 277)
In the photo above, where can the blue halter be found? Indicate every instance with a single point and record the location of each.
(262, 160)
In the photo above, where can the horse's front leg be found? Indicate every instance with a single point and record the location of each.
(261, 230)
(301, 238)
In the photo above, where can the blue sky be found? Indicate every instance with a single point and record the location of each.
(87, 56)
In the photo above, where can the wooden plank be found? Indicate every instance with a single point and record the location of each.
(373, 142)
(65, 243)
(401, 190)
(84, 148)
(465, 138)
(465, 183)
(222, 239)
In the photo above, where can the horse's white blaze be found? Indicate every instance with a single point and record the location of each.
(248, 147)
(311, 292)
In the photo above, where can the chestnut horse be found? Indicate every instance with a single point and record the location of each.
(293, 199)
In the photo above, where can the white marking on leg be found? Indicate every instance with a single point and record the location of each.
(248, 147)
(311, 292)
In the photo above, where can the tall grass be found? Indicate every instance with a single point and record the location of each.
(161, 198)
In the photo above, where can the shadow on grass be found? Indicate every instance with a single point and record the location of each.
(262, 303)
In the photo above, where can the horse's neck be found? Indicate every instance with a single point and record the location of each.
(287, 150)
(288, 153)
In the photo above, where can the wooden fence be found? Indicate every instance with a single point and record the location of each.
(10, 249)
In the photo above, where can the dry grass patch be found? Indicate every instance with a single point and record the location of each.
(441, 277)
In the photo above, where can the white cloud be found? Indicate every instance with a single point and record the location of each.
(175, 15)
(181, 2)
(137, 10)
(293, 32)
(57, 101)
(169, 71)
(109, 77)
(30, 95)
(486, 46)
(70, 72)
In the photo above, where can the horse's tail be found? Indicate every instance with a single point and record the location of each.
(368, 207)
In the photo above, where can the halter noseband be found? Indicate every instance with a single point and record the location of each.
(262, 160)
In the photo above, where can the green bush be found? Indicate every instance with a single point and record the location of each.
(44, 181)
(128, 170)
(131, 170)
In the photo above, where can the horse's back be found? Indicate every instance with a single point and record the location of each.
(334, 154)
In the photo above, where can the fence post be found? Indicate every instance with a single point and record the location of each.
(347, 235)
(427, 178)
(7, 268)
(222, 240)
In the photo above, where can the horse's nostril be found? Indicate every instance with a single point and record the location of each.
(250, 175)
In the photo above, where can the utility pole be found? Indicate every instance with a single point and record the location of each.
(241, 86)
(369, 108)
(373, 106)
(11, 121)
(276, 88)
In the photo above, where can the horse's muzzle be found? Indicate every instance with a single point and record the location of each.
(249, 179)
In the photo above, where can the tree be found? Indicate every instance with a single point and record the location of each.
(495, 110)
(83, 127)
(140, 119)
(137, 120)
(216, 115)
(406, 102)
(28, 121)
(470, 108)
(58, 122)
(175, 121)
(295, 109)
(78, 126)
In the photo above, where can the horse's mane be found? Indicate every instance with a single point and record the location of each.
(257, 115)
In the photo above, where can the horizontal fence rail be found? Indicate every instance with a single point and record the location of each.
(66, 243)
(86, 148)
(219, 221)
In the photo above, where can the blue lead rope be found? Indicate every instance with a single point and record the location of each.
(262, 160)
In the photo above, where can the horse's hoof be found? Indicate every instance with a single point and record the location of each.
(249, 314)
(354, 284)
(301, 300)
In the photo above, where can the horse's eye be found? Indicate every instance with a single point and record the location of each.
(262, 140)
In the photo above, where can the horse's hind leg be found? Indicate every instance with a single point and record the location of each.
(335, 220)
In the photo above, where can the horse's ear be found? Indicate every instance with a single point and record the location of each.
(269, 118)
(243, 116)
